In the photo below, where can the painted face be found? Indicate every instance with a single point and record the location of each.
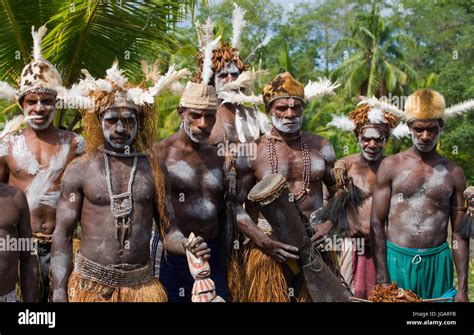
(119, 126)
(425, 134)
(41, 105)
(287, 115)
(227, 74)
(198, 123)
(372, 141)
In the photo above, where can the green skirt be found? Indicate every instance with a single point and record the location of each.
(427, 272)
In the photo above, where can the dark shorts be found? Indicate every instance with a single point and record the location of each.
(178, 282)
(44, 259)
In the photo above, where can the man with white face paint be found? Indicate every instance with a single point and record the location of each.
(196, 176)
(34, 159)
(305, 160)
(417, 193)
(371, 126)
(116, 192)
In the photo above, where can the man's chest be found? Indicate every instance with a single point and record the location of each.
(432, 182)
(100, 186)
(292, 163)
(29, 157)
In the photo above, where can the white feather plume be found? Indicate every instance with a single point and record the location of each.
(7, 92)
(459, 108)
(376, 115)
(114, 74)
(238, 24)
(321, 87)
(140, 96)
(245, 80)
(207, 63)
(74, 98)
(12, 126)
(400, 131)
(264, 122)
(165, 82)
(240, 98)
(373, 102)
(342, 122)
(205, 32)
(37, 38)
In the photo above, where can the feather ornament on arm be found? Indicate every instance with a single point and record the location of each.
(37, 38)
(7, 92)
(321, 87)
(460, 108)
(342, 122)
(207, 63)
(238, 24)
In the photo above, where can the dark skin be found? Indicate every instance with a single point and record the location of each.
(43, 144)
(224, 128)
(196, 178)
(85, 199)
(417, 193)
(15, 223)
(363, 172)
(290, 164)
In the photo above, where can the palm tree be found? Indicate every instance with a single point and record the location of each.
(376, 65)
(88, 34)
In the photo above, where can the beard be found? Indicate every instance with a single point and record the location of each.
(287, 127)
(194, 138)
(40, 126)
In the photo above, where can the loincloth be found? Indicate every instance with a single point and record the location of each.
(94, 282)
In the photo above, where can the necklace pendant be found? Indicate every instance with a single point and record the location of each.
(122, 229)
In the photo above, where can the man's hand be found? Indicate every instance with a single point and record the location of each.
(198, 247)
(320, 233)
(279, 251)
(461, 297)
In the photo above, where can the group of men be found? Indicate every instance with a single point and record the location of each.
(121, 186)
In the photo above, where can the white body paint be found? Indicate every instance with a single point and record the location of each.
(39, 126)
(201, 208)
(414, 215)
(230, 68)
(183, 171)
(419, 145)
(24, 159)
(187, 130)
(107, 134)
(371, 133)
(213, 178)
(283, 126)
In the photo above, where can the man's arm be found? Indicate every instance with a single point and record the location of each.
(175, 242)
(378, 219)
(245, 181)
(460, 245)
(4, 170)
(29, 280)
(67, 216)
(322, 230)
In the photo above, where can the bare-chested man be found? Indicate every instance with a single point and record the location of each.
(16, 247)
(36, 158)
(305, 160)
(372, 132)
(417, 193)
(197, 192)
(115, 192)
